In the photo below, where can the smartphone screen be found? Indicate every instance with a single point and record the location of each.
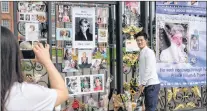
(28, 54)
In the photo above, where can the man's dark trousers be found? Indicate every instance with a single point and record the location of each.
(151, 97)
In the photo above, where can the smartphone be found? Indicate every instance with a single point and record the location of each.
(28, 54)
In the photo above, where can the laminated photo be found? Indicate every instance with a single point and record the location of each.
(27, 17)
(32, 31)
(41, 17)
(84, 58)
(64, 13)
(132, 11)
(33, 17)
(98, 83)
(38, 7)
(96, 64)
(131, 45)
(102, 35)
(43, 31)
(70, 66)
(72, 84)
(99, 52)
(85, 84)
(70, 62)
(64, 34)
(83, 23)
(69, 53)
(21, 17)
(60, 8)
(102, 16)
(22, 7)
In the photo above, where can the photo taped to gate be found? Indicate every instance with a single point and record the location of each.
(85, 58)
(85, 84)
(64, 13)
(72, 84)
(32, 31)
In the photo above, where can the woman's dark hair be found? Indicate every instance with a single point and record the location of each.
(141, 34)
(11, 66)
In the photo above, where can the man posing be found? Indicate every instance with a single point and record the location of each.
(148, 78)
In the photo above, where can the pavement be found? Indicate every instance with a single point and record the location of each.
(200, 109)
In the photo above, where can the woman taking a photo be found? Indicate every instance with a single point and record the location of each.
(19, 95)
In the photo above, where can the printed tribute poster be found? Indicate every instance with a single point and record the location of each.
(83, 23)
(181, 50)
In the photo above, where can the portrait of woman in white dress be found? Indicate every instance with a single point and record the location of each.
(177, 51)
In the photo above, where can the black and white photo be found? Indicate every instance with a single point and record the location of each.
(73, 84)
(27, 17)
(21, 17)
(83, 29)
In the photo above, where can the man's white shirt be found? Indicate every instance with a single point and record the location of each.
(147, 67)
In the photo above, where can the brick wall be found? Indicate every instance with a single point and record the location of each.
(9, 16)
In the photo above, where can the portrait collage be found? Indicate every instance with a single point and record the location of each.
(85, 84)
(82, 35)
